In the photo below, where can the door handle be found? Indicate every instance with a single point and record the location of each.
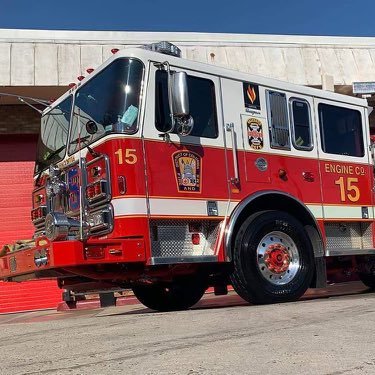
(230, 128)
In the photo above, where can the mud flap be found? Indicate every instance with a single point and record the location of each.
(320, 279)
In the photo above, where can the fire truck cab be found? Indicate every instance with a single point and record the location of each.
(167, 176)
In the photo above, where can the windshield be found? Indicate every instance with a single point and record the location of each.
(53, 135)
(108, 103)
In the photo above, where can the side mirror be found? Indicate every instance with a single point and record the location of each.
(91, 127)
(179, 94)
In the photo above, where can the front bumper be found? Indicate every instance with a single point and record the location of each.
(46, 256)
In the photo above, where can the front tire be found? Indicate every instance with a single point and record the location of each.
(273, 259)
(178, 295)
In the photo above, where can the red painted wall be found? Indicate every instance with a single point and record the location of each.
(17, 155)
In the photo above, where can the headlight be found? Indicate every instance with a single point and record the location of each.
(57, 226)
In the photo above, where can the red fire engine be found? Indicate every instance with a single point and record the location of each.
(167, 176)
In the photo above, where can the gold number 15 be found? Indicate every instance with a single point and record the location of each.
(130, 157)
(348, 189)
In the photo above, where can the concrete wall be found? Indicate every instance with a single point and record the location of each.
(41, 63)
(55, 58)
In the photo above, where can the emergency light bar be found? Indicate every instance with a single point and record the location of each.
(164, 47)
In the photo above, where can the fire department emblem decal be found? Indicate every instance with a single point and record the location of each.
(187, 165)
(255, 133)
(251, 96)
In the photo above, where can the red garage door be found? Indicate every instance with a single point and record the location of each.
(17, 155)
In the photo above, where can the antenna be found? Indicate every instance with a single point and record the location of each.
(26, 99)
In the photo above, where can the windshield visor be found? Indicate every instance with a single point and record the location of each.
(108, 103)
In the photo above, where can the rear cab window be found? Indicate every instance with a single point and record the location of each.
(341, 130)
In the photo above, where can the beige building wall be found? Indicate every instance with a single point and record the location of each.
(42, 63)
(50, 58)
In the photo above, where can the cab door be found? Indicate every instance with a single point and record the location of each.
(276, 144)
(186, 176)
(347, 176)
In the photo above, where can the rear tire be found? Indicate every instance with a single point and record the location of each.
(273, 259)
(179, 295)
(367, 270)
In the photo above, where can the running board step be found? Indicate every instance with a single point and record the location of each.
(344, 252)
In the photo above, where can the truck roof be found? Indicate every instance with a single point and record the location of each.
(223, 72)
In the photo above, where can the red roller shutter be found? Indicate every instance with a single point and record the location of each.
(17, 155)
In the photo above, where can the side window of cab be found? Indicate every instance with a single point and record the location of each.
(286, 127)
(202, 103)
(278, 121)
(341, 130)
(300, 119)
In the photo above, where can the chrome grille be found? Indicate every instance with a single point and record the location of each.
(64, 187)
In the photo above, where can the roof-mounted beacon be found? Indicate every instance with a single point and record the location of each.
(164, 47)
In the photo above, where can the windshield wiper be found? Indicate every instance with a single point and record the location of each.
(84, 140)
(79, 139)
(54, 153)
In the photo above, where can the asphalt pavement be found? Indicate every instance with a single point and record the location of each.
(330, 331)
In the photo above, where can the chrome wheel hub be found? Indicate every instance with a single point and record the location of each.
(278, 258)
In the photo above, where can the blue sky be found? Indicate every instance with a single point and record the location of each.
(309, 17)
